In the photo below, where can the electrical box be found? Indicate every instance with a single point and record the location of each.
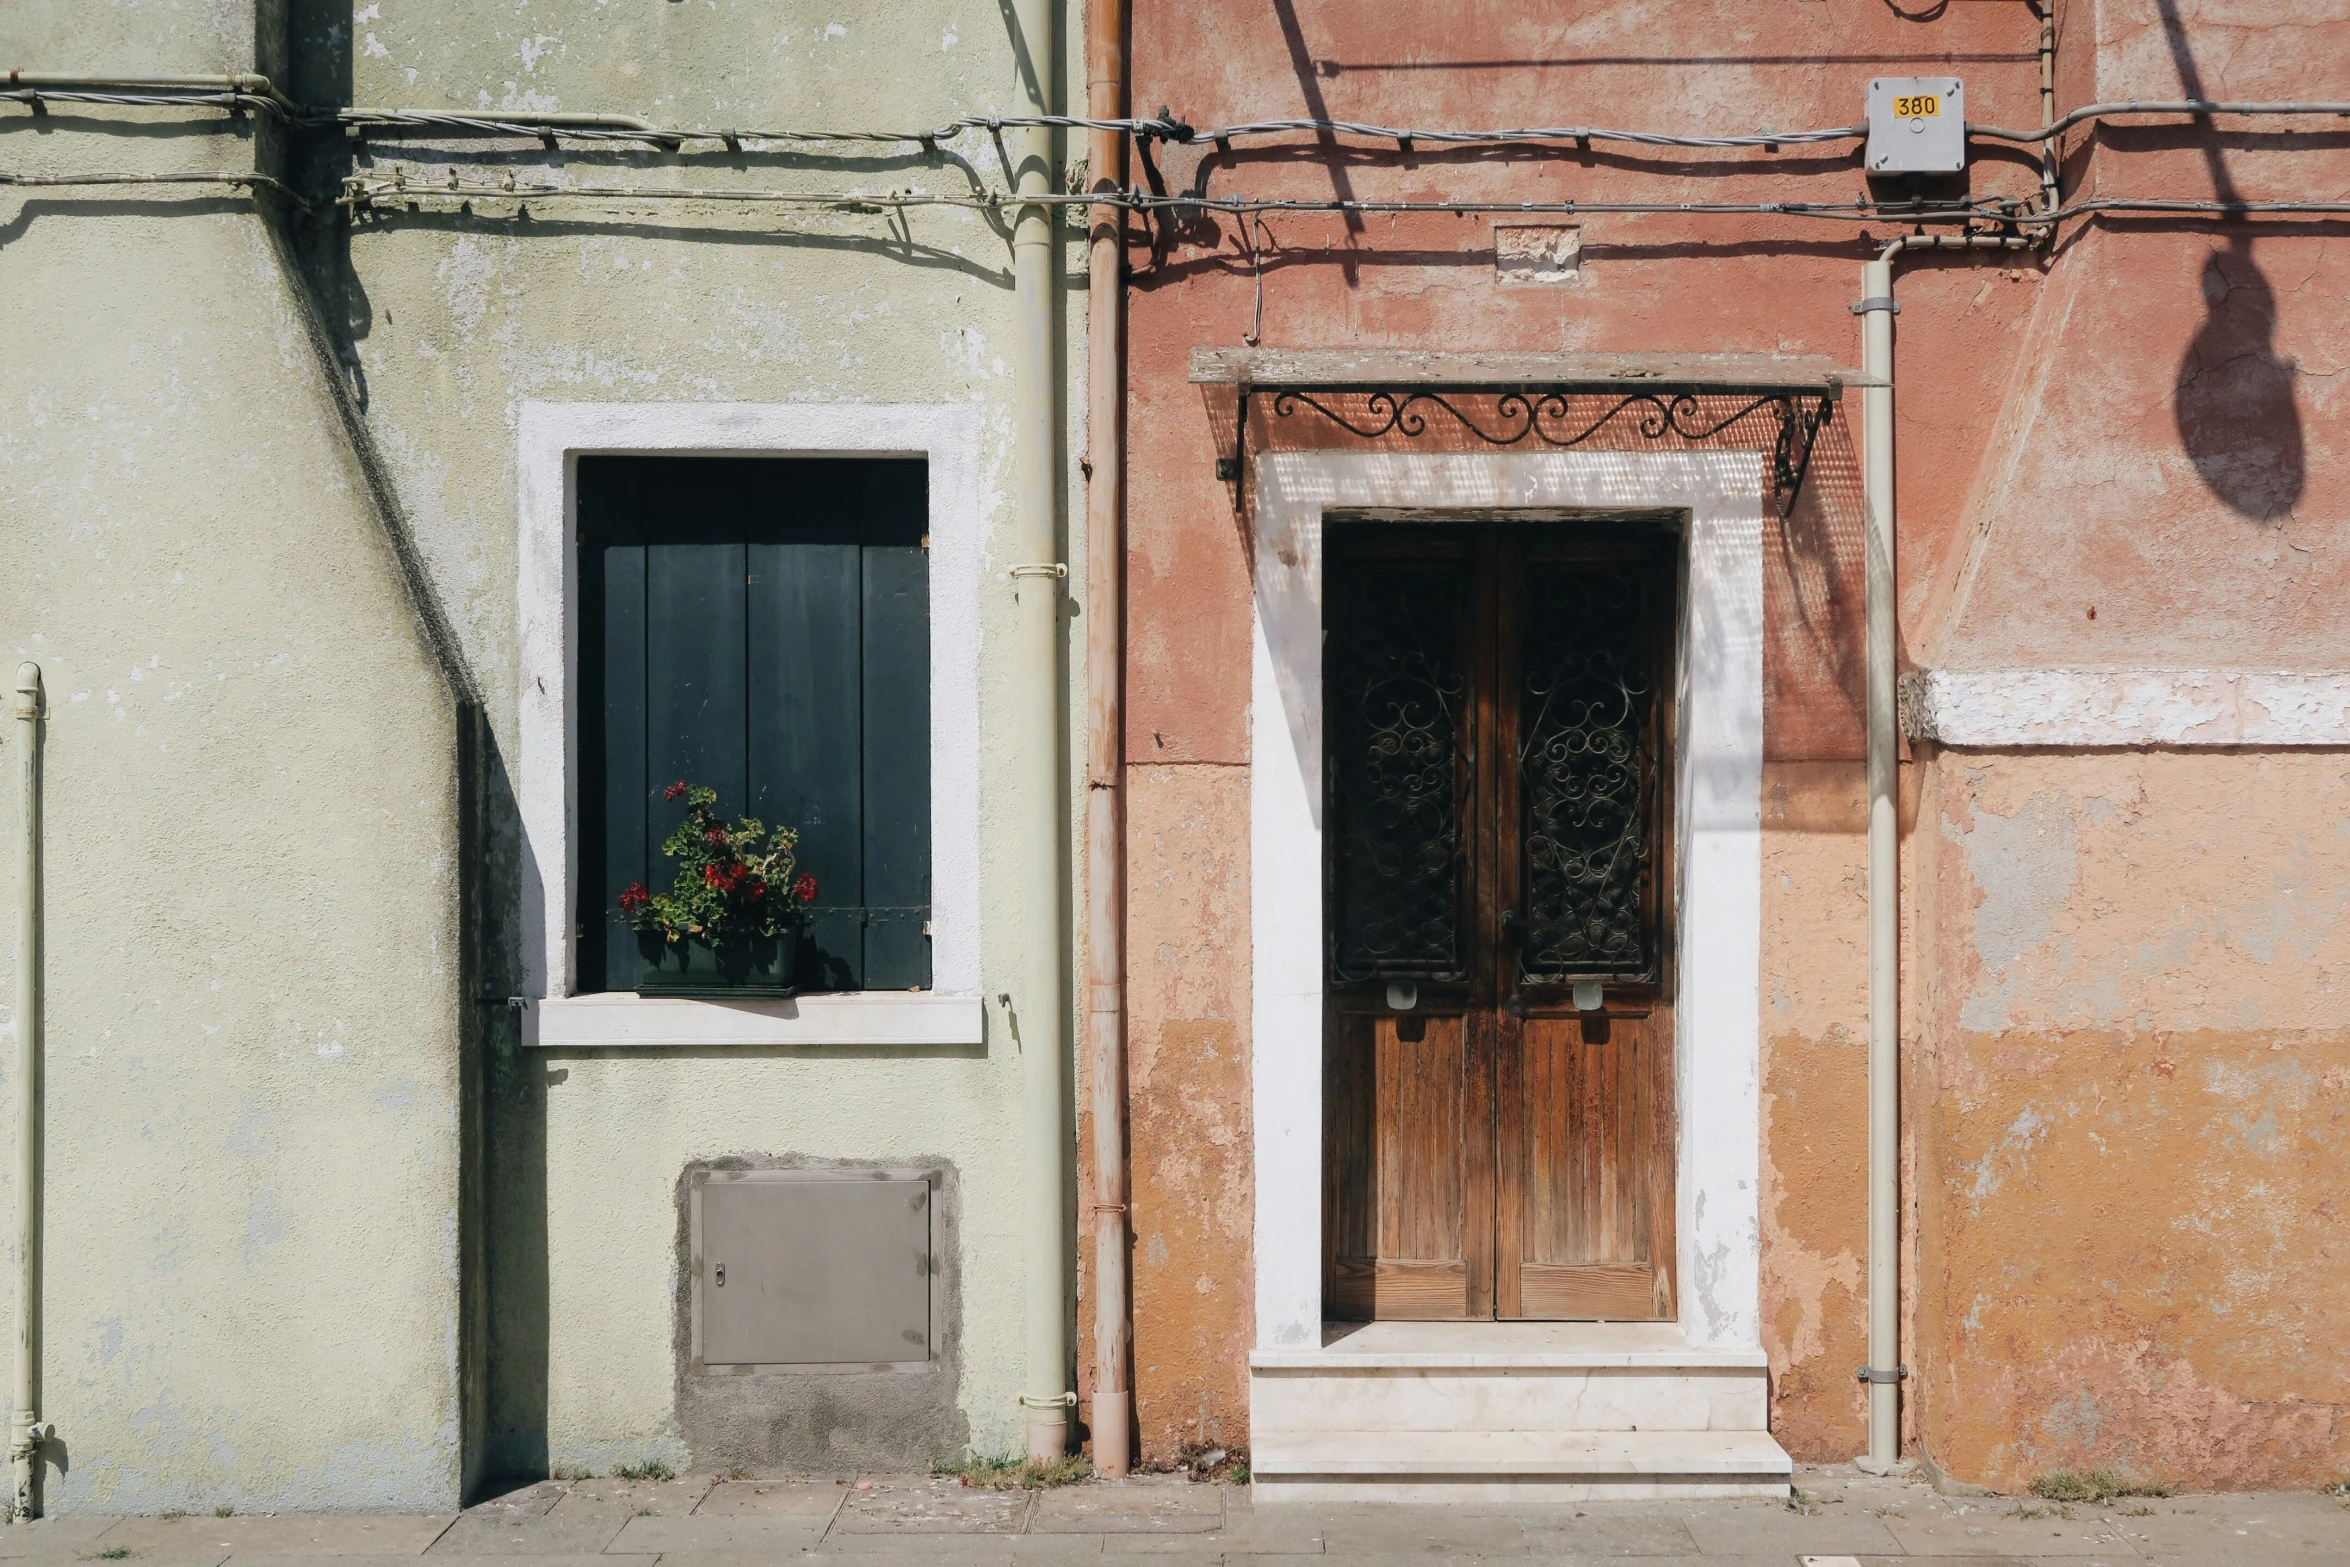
(1917, 125)
(811, 1269)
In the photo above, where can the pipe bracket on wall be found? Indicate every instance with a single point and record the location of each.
(1898, 1374)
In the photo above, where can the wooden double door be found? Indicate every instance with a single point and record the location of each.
(1498, 1114)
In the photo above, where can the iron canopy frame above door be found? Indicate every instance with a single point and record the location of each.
(1555, 401)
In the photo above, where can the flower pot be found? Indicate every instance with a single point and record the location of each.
(745, 967)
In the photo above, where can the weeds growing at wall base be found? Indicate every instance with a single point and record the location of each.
(650, 1469)
(2091, 1485)
(1017, 1474)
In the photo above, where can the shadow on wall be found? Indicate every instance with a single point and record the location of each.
(2234, 401)
(2234, 398)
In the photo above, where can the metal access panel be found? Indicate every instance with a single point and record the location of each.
(1917, 125)
(812, 1270)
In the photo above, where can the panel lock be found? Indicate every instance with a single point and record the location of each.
(722, 1275)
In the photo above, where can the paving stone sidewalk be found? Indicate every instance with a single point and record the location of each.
(1841, 1519)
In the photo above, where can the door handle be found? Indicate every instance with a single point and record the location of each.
(1515, 1006)
(1512, 923)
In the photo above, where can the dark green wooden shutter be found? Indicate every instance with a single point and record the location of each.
(897, 766)
(806, 730)
(762, 626)
(617, 796)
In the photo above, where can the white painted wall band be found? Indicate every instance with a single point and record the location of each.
(2120, 707)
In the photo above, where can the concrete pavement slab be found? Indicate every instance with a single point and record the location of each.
(1360, 1559)
(1249, 1531)
(52, 1536)
(1759, 1528)
(1152, 1506)
(1575, 1559)
(523, 1501)
(929, 1506)
(2273, 1525)
(619, 1498)
(932, 1549)
(772, 1498)
(90, 1557)
(2010, 1529)
(282, 1534)
(581, 1534)
(1394, 1529)
(736, 1534)
(1609, 1529)
(583, 1560)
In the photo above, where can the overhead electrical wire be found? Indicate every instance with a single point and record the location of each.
(373, 192)
(111, 177)
(368, 191)
(2196, 107)
(257, 94)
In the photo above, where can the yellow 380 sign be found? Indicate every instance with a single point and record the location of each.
(1922, 106)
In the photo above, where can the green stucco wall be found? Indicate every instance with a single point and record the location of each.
(258, 1169)
(254, 1002)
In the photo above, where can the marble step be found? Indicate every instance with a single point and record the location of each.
(1511, 1399)
(1466, 1377)
(1524, 1466)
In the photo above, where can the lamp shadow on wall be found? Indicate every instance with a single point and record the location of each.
(2233, 401)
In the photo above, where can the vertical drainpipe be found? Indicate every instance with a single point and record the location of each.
(1036, 769)
(1105, 725)
(1882, 1373)
(26, 1433)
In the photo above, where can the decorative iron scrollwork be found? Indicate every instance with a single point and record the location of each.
(1561, 417)
(1397, 688)
(1586, 771)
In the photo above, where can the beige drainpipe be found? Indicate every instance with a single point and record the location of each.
(1037, 574)
(26, 1433)
(1884, 1372)
(1105, 725)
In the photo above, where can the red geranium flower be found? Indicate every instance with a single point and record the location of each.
(634, 897)
(714, 835)
(675, 791)
(805, 888)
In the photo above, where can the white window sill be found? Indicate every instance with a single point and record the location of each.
(624, 1021)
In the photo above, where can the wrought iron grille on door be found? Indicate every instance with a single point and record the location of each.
(1398, 701)
(1586, 768)
(1401, 664)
